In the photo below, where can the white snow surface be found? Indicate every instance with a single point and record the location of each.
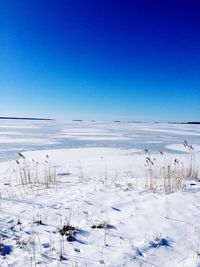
(96, 185)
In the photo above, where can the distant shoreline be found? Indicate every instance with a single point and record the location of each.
(21, 118)
(80, 120)
(189, 122)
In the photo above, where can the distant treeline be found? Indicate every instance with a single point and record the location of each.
(18, 118)
(189, 122)
(193, 122)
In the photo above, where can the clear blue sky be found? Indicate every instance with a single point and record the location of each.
(96, 59)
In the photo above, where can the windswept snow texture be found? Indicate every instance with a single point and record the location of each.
(34, 135)
(97, 211)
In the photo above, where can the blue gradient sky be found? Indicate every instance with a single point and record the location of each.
(102, 59)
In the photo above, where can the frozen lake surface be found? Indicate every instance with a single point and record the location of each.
(20, 135)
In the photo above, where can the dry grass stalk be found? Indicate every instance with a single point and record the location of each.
(169, 177)
(30, 172)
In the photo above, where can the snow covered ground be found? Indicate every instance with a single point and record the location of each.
(97, 210)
